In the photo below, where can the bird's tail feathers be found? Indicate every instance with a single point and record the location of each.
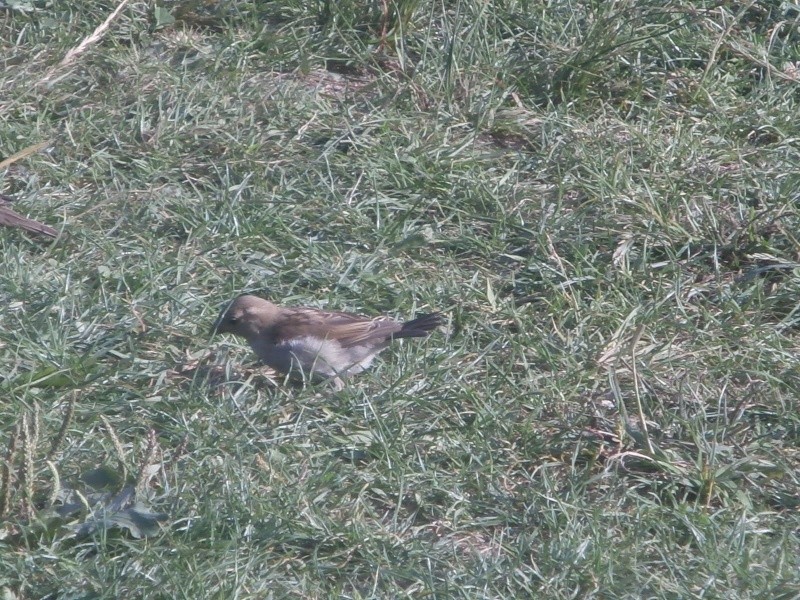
(421, 326)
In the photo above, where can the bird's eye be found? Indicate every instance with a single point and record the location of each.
(232, 320)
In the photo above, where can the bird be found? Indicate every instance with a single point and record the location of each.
(11, 218)
(313, 344)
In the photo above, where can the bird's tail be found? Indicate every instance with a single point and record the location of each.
(421, 326)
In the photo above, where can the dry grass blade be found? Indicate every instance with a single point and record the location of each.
(10, 218)
(74, 53)
(25, 152)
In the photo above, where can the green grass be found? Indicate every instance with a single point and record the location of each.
(602, 198)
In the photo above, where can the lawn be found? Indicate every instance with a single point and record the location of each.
(602, 198)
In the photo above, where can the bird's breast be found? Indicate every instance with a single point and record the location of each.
(314, 355)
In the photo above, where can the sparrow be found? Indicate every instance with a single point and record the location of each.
(315, 344)
(11, 218)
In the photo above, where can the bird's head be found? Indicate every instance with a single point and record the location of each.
(246, 316)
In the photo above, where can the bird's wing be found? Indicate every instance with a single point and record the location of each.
(347, 329)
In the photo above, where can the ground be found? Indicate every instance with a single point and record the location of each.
(602, 198)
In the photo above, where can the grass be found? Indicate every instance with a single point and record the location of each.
(601, 197)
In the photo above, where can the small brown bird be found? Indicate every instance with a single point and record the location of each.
(312, 343)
